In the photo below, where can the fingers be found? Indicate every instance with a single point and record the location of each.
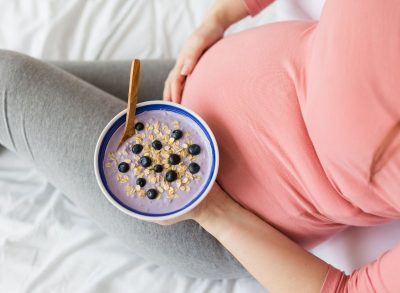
(188, 66)
(174, 84)
(176, 79)
(164, 223)
(177, 87)
(187, 60)
(192, 52)
(172, 221)
(167, 89)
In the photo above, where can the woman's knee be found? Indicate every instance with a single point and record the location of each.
(14, 67)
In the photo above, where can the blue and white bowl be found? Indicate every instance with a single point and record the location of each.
(116, 122)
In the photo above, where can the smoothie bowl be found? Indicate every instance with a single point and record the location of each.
(165, 169)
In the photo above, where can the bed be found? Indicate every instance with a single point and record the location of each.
(47, 244)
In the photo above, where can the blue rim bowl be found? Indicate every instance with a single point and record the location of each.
(119, 120)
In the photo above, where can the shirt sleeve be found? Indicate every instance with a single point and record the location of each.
(381, 275)
(255, 6)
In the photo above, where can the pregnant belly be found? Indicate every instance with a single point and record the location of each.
(253, 112)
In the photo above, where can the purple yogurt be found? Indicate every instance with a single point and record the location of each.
(123, 185)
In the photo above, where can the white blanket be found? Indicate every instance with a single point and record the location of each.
(47, 244)
(118, 29)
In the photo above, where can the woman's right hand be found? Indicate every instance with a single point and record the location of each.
(200, 40)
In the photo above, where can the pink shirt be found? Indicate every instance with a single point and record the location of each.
(298, 109)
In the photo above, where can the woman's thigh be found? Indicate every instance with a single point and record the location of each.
(352, 96)
(113, 76)
(53, 119)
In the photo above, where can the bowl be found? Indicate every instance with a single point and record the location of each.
(115, 126)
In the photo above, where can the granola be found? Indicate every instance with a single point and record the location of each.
(159, 155)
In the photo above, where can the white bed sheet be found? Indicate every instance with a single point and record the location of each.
(118, 29)
(46, 243)
(102, 30)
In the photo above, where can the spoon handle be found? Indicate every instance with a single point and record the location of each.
(132, 101)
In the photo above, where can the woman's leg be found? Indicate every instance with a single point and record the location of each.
(353, 89)
(53, 119)
(113, 76)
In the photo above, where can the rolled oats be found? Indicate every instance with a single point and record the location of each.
(156, 130)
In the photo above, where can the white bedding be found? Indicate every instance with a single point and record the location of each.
(46, 243)
(118, 29)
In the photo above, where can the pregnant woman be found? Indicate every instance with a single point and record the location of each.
(306, 115)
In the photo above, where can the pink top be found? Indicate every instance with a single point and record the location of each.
(255, 6)
(298, 109)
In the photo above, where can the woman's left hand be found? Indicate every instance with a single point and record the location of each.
(200, 213)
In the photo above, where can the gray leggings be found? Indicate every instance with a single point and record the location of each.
(52, 117)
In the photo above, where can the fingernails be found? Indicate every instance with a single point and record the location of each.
(185, 69)
(166, 97)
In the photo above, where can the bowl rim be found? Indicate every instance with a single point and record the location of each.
(147, 217)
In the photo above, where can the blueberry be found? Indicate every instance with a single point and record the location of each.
(141, 182)
(194, 168)
(151, 193)
(176, 134)
(157, 145)
(171, 176)
(158, 168)
(139, 126)
(174, 159)
(194, 149)
(123, 167)
(145, 161)
(137, 148)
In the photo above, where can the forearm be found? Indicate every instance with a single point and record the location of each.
(277, 262)
(226, 12)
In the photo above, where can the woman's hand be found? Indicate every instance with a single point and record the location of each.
(203, 211)
(221, 15)
(257, 245)
(200, 40)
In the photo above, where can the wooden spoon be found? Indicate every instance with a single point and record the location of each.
(132, 101)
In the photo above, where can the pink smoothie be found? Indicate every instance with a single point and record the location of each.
(171, 196)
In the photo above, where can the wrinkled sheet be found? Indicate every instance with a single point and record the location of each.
(47, 244)
(118, 29)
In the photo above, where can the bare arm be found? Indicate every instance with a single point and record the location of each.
(277, 262)
(227, 12)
